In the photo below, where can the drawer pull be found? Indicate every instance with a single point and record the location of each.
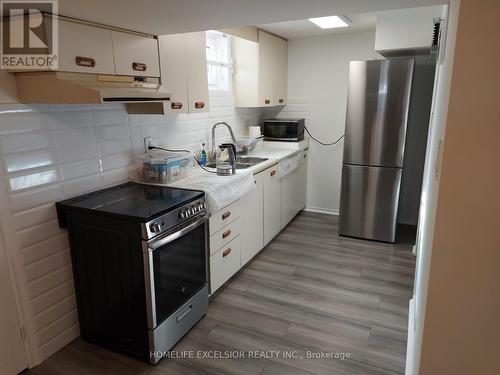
(176, 105)
(199, 105)
(226, 252)
(281, 101)
(140, 67)
(267, 101)
(226, 214)
(87, 62)
(226, 234)
(273, 172)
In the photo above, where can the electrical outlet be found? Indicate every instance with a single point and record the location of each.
(148, 141)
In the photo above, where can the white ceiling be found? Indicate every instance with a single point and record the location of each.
(169, 16)
(304, 28)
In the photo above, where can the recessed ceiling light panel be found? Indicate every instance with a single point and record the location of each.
(329, 22)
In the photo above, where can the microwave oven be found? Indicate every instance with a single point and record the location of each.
(286, 129)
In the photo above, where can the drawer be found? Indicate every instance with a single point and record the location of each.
(224, 216)
(225, 235)
(136, 55)
(225, 263)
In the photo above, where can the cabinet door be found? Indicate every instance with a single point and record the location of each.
(135, 55)
(272, 204)
(266, 69)
(252, 228)
(173, 71)
(85, 49)
(280, 71)
(302, 183)
(288, 195)
(197, 80)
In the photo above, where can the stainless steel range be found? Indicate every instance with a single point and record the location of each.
(139, 257)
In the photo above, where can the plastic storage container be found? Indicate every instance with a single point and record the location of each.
(246, 145)
(165, 167)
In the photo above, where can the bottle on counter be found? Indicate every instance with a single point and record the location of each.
(203, 154)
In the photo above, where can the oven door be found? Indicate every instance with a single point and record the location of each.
(175, 266)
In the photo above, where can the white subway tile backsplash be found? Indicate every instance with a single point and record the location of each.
(36, 197)
(74, 136)
(116, 161)
(115, 146)
(34, 216)
(80, 169)
(77, 152)
(33, 180)
(26, 142)
(72, 119)
(23, 122)
(81, 185)
(53, 152)
(40, 232)
(110, 117)
(38, 159)
(113, 132)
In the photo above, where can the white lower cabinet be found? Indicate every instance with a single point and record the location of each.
(293, 192)
(239, 231)
(252, 235)
(225, 263)
(272, 204)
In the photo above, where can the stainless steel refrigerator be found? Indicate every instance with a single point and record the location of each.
(375, 131)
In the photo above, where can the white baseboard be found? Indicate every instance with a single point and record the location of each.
(411, 339)
(321, 210)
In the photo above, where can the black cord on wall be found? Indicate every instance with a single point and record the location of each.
(323, 143)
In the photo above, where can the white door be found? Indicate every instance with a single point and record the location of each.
(197, 79)
(267, 56)
(135, 55)
(272, 204)
(252, 233)
(13, 358)
(173, 71)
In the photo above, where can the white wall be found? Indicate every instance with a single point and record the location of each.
(318, 69)
(49, 153)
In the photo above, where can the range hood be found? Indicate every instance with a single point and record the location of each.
(84, 88)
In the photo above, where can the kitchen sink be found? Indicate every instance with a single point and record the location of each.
(242, 162)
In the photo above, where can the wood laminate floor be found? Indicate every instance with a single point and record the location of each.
(309, 291)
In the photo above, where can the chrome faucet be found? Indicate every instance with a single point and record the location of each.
(213, 136)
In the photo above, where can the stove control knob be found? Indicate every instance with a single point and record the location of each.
(200, 207)
(155, 228)
(182, 214)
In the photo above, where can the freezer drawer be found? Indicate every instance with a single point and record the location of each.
(369, 202)
(377, 111)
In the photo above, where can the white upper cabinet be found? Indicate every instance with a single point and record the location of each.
(85, 49)
(184, 72)
(197, 80)
(267, 69)
(173, 71)
(260, 71)
(135, 55)
(280, 71)
(406, 29)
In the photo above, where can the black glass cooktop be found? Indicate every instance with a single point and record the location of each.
(133, 201)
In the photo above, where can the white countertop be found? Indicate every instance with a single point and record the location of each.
(276, 151)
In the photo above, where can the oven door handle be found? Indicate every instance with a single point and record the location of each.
(162, 241)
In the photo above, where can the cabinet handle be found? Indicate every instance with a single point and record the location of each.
(267, 101)
(281, 100)
(226, 233)
(273, 172)
(226, 252)
(140, 67)
(176, 105)
(226, 214)
(199, 105)
(87, 62)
